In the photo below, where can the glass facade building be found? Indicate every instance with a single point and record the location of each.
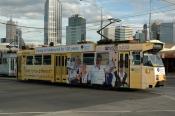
(76, 30)
(53, 22)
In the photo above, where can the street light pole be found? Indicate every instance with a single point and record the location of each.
(101, 22)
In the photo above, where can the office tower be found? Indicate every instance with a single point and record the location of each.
(10, 31)
(19, 40)
(155, 31)
(53, 22)
(76, 30)
(140, 36)
(123, 33)
(167, 32)
(145, 31)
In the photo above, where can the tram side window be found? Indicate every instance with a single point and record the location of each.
(88, 58)
(121, 63)
(47, 60)
(12, 64)
(4, 60)
(126, 60)
(38, 59)
(58, 60)
(136, 58)
(29, 60)
(0, 60)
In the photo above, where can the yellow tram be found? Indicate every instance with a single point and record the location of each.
(128, 65)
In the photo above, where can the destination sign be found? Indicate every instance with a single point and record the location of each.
(66, 48)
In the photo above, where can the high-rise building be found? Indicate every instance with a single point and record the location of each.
(13, 34)
(109, 32)
(145, 31)
(167, 32)
(123, 33)
(53, 22)
(155, 31)
(76, 30)
(19, 40)
(140, 36)
(10, 31)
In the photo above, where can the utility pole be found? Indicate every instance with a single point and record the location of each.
(150, 20)
(101, 22)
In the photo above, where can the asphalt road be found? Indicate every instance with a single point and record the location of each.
(46, 99)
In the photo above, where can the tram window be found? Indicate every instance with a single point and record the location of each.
(121, 61)
(38, 59)
(88, 58)
(63, 60)
(126, 60)
(146, 61)
(29, 60)
(4, 60)
(12, 64)
(58, 60)
(136, 58)
(0, 60)
(47, 60)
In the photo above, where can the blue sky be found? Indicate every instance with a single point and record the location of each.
(31, 13)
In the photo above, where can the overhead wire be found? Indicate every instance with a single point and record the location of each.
(89, 27)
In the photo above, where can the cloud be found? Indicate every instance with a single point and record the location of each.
(31, 13)
(22, 8)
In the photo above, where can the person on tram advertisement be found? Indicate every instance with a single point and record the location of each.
(121, 78)
(76, 71)
(73, 65)
(109, 73)
(97, 74)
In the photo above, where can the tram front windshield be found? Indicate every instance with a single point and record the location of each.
(152, 60)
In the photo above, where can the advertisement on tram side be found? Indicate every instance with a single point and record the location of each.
(99, 70)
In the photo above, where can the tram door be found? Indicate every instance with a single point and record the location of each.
(60, 68)
(124, 65)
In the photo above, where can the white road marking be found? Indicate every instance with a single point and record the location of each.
(120, 111)
(115, 111)
(169, 97)
(156, 111)
(5, 113)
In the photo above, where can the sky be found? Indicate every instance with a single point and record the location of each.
(133, 13)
